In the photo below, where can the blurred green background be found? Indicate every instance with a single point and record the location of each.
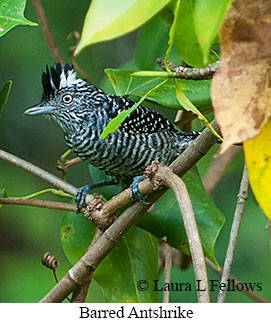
(26, 233)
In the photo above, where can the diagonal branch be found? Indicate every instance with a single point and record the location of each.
(242, 197)
(45, 28)
(248, 292)
(48, 177)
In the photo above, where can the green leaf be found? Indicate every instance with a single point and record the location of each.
(114, 124)
(12, 15)
(115, 278)
(4, 93)
(109, 19)
(172, 33)
(198, 92)
(165, 218)
(134, 258)
(208, 16)
(188, 105)
(186, 39)
(76, 235)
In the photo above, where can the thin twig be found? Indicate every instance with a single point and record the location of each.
(48, 177)
(89, 262)
(189, 73)
(162, 175)
(64, 165)
(248, 292)
(72, 49)
(241, 200)
(218, 167)
(45, 28)
(39, 203)
(168, 266)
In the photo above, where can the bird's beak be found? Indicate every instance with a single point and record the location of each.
(38, 110)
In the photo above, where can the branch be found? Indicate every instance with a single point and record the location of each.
(162, 175)
(247, 292)
(63, 165)
(39, 203)
(167, 266)
(45, 28)
(189, 73)
(48, 177)
(241, 200)
(89, 262)
(72, 49)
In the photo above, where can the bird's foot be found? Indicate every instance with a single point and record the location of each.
(134, 192)
(80, 196)
(81, 193)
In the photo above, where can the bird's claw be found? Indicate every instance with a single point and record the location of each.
(80, 197)
(134, 192)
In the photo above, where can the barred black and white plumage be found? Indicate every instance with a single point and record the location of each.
(83, 111)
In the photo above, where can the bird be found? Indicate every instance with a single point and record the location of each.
(83, 111)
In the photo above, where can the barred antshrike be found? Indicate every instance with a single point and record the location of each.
(83, 111)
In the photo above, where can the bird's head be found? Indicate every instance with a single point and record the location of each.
(64, 96)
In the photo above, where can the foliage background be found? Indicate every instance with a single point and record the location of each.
(26, 233)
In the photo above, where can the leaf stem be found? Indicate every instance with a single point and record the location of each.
(152, 74)
(47, 190)
(189, 106)
(65, 155)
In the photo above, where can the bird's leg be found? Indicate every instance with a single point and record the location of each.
(84, 190)
(134, 192)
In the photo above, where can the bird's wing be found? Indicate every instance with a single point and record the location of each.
(142, 119)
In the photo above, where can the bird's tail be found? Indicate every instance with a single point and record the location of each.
(184, 139)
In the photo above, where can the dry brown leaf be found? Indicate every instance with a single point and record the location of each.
(241, 89)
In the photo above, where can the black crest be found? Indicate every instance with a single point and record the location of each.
(53, 78)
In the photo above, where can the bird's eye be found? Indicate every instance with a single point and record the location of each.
(67, 99)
